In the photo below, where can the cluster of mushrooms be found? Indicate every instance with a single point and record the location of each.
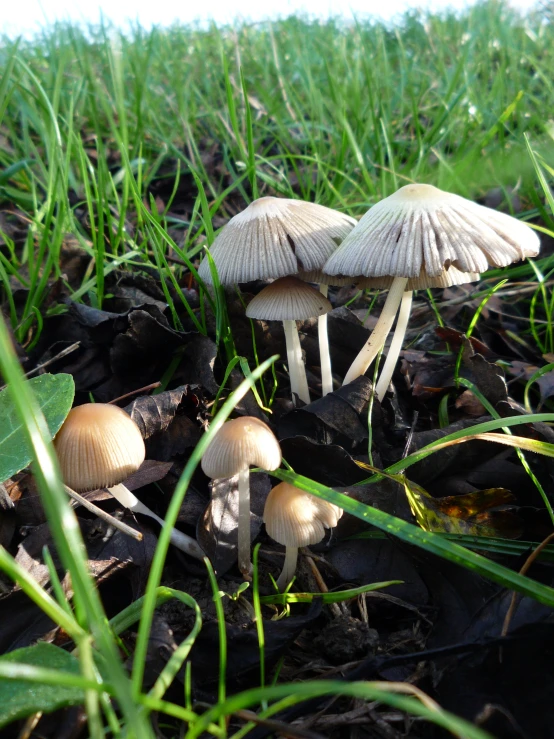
(419, 237)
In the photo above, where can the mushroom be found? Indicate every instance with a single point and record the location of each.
(421, 229)
(237, 445)
(278, 237)
(296, 519)
(289, 300)
(99, 446)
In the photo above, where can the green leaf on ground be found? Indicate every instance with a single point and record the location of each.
(54, 394)
(20, 698)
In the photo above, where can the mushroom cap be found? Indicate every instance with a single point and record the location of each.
(237, 445)
(98, 446)
(295, 518)
(288, 299)
(275, 237)
(423, 228)
(447, 278)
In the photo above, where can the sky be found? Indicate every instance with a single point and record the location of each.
(27, 16)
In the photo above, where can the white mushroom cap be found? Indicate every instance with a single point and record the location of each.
(237, 445)
(275, 237)
(447, 278)
(423, 228)
(98, 446)
(295, 518)
(288, 299)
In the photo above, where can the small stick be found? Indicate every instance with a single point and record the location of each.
(63, 353)
(145, 389)
(322, 585)
(529, 561)
(116, 523)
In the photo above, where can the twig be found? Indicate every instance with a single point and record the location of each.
(322, 585)
(513, 602)
(286, 730)
(145, 389)
(116, 523)
(63, 353)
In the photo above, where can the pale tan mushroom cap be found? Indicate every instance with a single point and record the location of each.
(295, 518)
(447, 278)
(288, 299)
(98, 446)
(423, 228)
(237, 445)
(275, 237)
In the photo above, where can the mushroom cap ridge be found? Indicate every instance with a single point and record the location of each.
(275, 237)
(237, 445)
(98, 445)
(420, 227)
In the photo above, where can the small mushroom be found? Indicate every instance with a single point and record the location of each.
(278, 237)
(296, 519)
(237, 445)
(99, 446)
(421, 229)
(289, 300)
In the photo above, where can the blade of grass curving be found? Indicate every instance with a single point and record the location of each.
(256, 600)
(480, 428)
(297, 692)
(491, 544)
(525, 464)
(66, 532)
(534, 377)
(333, 596)
(423, 539)
(171, 518)
(222, 633)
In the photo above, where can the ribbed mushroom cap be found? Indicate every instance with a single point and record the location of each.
(275, 237)
(98, 446)
(447, 278)
(423, 228)
(237, 445)
(295, 518)
(288, 299)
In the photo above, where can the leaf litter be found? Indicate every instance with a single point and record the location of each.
(439, 629)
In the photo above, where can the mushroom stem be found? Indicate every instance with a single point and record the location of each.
(245, 565)
(379, 334)
(183, 542)
(396, 345)
(297, 371)
(324, 353)
(289, 568)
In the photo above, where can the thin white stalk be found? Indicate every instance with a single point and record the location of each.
(289, 568)
(245, 565)
(183, 542)
(324, 353)
(297, 371)
(382, 329)
(396, 345)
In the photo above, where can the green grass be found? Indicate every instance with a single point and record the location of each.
(95, 124)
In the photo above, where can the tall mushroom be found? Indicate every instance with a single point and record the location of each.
(99, 446)
(296, 519)
(237, 445)
(289, 300)
(421, 229)
(278, 237)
